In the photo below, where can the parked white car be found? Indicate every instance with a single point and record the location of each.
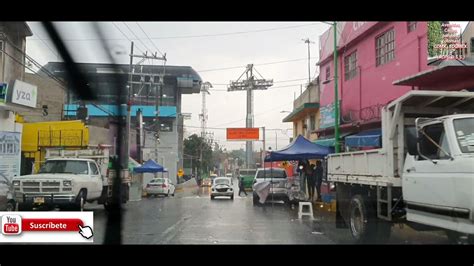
(160, 186)
(222, 186)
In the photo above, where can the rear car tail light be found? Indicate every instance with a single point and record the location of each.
(163, 186)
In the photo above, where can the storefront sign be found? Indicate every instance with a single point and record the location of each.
(24, 94)
(327, 116)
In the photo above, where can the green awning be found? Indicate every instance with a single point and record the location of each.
(329, 142)
(325, 142)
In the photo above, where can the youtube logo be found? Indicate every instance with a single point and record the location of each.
(11, 224)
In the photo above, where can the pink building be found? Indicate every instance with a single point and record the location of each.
(371, 56)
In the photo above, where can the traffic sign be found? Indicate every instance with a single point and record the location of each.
(180, 172)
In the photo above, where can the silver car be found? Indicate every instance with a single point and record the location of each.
(278, 184)
(160, 186)
(222, 186)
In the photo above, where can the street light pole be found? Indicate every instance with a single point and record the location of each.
(309, 58)
(336, 96)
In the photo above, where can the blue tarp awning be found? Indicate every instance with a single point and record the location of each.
(299, 149)
(149, 166)
(369, 138)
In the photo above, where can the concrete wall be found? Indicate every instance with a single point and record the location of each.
(310, 95)
(99, 135)
(167, 151)
(12, 66)
(51, 94)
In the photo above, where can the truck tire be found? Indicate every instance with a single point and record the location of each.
(364, 225)
(10, 206)
(80, 200)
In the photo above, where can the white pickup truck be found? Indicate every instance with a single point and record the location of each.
(422, 176)
(67, 180)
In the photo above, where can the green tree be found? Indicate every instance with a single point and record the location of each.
(435, 36)
(193, 146)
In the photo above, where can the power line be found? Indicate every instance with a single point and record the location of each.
(279, 81)
(124, 35)
(271, 88)
(149, 39)
(49, 47)
(191, 36)
(133, 33)
(269, 110)
(261, 64)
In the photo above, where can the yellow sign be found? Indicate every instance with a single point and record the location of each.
(180, 172)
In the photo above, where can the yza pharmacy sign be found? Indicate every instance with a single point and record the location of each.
(24, 94)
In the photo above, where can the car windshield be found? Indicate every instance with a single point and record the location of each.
(64, 166)
(152, 104)
(464, 128)
(271, 174)
(222, 181)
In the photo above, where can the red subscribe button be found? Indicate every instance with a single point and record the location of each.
(44, 224)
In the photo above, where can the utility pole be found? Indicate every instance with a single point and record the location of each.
(250, 84)
(336, 95)
(309, 58)
(131, 93)
(126, 141)
(204, 90)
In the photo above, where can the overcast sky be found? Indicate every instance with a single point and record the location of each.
(240, 44)
(208, 46)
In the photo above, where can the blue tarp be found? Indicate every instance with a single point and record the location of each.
(149, 166)
(369, 138)
(299, 149)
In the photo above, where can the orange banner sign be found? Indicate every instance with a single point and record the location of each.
(243, 134)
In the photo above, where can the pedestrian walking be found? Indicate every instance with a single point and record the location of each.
(318, 173)
(241, 186)
(311, 181)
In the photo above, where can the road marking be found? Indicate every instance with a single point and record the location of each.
(171, 229)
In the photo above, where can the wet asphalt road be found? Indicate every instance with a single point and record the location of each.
(192, 218)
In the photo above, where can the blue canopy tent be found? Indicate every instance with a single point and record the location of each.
(299, 149)
(149, 166)
(369, 138)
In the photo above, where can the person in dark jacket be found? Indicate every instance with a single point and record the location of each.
(318, 174)
(241, 186)
(311, 181)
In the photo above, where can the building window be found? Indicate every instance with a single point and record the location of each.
(328, 73)
(350, 66)
(166, 126)
(472, 45)
(411, 26)
(312, 122)
(385, 47)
